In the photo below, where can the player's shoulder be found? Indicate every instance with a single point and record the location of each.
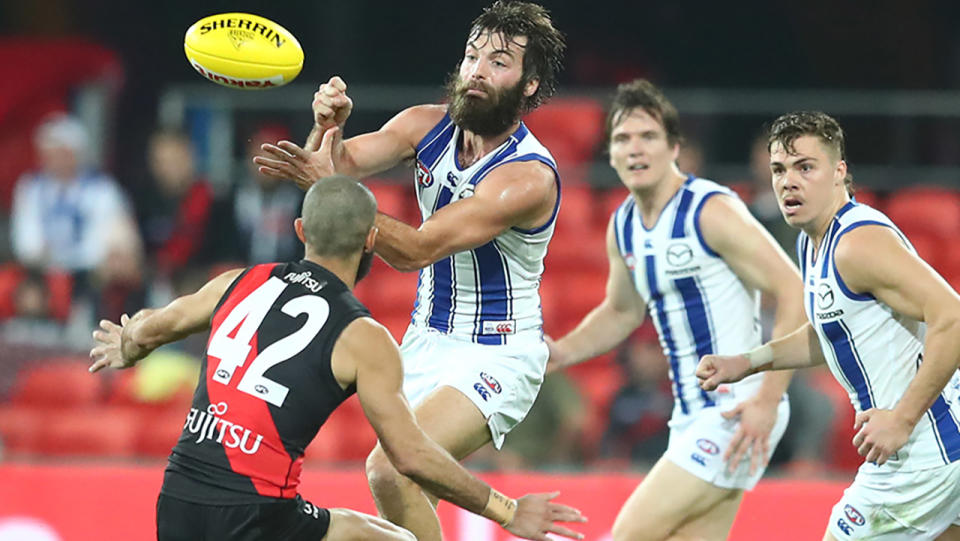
(530, 177)
(366, 333)
(422, 118)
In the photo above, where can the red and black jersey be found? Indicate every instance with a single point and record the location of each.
(266, 385)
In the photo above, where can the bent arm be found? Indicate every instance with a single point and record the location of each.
(149, 329)
(872, 259)
(612, 321)
(751, 252)
(519, 194)
(367, 346)
(396, 141)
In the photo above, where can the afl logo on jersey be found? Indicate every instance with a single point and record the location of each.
(825, 296)
(679, 254)
(424, 177)
(491, 382)
(854, 516)
(631, 261)
(708, 446)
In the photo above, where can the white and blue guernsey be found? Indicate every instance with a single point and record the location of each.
(697, 303)
(490, 294)
(871, 350)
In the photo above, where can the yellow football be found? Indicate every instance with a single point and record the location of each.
(241, 50)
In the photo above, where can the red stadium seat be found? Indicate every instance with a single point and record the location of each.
(609, 201)
(867, 197)
(576, 208)
(932, 211)
(584, 250)
(10, 276)
(90, 432)
(571, 128)
(20, 428)
(157, 433)
(395, 199)
(57, 383)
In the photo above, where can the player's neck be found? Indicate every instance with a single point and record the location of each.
(473, 147)
(651, 200)
(344, 269)
(817, 229)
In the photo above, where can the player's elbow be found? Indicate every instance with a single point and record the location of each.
(383, 466)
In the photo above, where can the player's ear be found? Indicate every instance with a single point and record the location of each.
(371, 239)
(530, 87)
(298, 227)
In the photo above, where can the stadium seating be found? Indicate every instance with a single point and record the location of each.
(57, 383)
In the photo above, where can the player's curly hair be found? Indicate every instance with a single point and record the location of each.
(786, 129)
(543, 52)
(642, 94)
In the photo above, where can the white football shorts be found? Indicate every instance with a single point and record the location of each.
(502, 380)
(898, 506)
(699, 441)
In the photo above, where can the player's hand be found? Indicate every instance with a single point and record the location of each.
(716, 369)
(881, 433)
(331, 105)
(757, 418)
(106, 349)
(286, 160)
(537, 516)
(558, 359)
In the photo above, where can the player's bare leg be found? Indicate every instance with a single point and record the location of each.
(951, 534)
(827, 536)
(696, 509)
(455, 423)
(347, 525)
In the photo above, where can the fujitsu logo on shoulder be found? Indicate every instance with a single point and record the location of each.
(207, 425)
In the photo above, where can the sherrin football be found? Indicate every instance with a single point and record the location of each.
(241, 50)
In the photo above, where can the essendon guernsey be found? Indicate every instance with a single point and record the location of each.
(266, 385)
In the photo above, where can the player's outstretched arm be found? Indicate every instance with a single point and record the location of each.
(519, 194)
(359, 156)
(873, 259)
(607, 325)
(121, 346)
(367, 350)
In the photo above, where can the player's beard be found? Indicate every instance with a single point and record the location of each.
(366, 263)
(484, 116)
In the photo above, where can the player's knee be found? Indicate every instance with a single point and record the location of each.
(380, 470)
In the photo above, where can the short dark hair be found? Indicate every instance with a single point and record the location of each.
(786, 129)
(642, 94)
(337, 213)
(543, 53)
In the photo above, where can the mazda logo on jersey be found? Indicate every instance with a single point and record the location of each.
(679, 254)
(824, 296)
(424, 177)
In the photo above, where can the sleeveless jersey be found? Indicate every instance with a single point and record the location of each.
(871, 350)
(266, 385)
(697, 303)
(489, 295)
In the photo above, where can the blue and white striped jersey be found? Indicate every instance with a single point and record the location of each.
(871, 350)
(697, 303)
(489, 295)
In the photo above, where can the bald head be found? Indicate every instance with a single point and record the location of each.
(338, 213)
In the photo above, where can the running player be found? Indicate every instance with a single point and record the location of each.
(887, 326)
(688, 251)
(489, 192)
(288, 343)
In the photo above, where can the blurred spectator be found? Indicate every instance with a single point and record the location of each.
(32, 322)
(62, 212)
(641, 407)
(690, 160)
(174, 208)
(265, 208)
(119, 282)
(552, 432)
(763, 201)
